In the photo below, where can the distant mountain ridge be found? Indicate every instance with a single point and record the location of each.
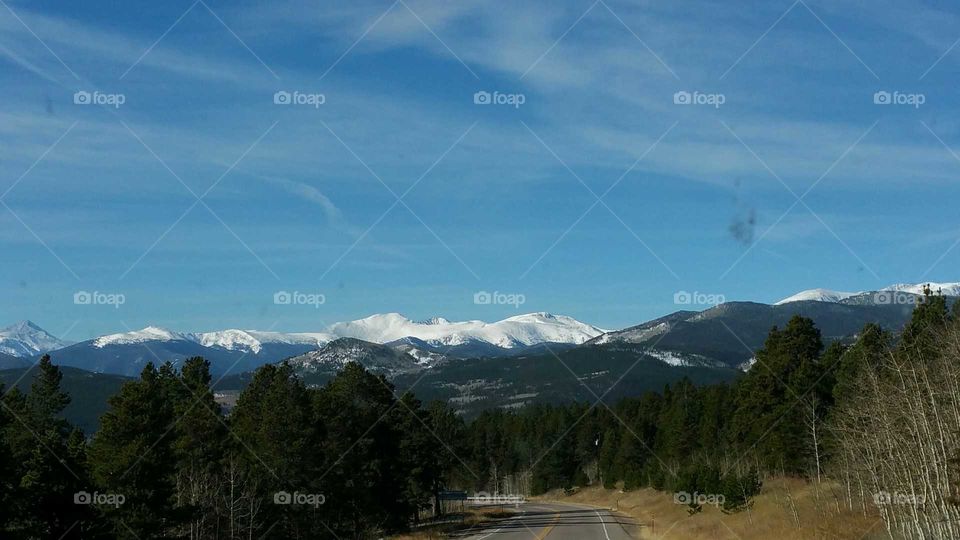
(729, 334)
(724, 336)
(26, 339)
(333, 356)
(827, 295)
(513, 332)
(234, 351)
(469, 363)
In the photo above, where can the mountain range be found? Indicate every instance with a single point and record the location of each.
(723, 336)
(235, 351)
(885, 295)
(474, 365)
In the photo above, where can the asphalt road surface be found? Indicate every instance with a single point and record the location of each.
(542, 521)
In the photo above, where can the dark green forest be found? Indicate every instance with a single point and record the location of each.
(356, 459)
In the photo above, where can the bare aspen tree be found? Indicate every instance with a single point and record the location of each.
(899, 440)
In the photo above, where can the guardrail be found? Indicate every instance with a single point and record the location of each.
(496, 499)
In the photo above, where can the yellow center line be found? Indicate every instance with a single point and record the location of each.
(543, 534)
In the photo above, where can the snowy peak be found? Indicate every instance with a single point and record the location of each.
(232, 340)
(826, 295)
(24, 327)
(540, 317)
(947, 289)
(27, 339)
(254, 340)
(150, 333)
(427, 342)
(517, 331)
(817, 295)
(434, 320)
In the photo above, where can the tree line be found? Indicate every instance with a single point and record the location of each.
(874, 423)
(348, 460)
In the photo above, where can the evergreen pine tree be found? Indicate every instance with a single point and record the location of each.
(132, 456)
(199, 445)
(444, 464)
(768, 418)
(46, 478)
(922, 333)
(275, 456)
(7, 471)
(361, 451)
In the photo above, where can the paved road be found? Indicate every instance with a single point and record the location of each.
(553, 521)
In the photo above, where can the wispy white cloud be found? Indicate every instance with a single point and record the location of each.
(310, 194)
(103, 54)
(27, 64)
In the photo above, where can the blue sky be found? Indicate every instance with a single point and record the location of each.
(493, 197)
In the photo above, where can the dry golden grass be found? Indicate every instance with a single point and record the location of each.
(775, 513)
(473, 518)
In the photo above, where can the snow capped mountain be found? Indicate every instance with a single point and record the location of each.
(231, 340)
(513, 332)
(435, 320)
(817, 295)
(826, 295)
(228, 351)
(254, 341)
(335, 355)
(25, 339)
(423, 343)
(150, 333)
(948, 289)
(727, 334)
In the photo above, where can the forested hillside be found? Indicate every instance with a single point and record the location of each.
(89, 392)
(879, 418)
